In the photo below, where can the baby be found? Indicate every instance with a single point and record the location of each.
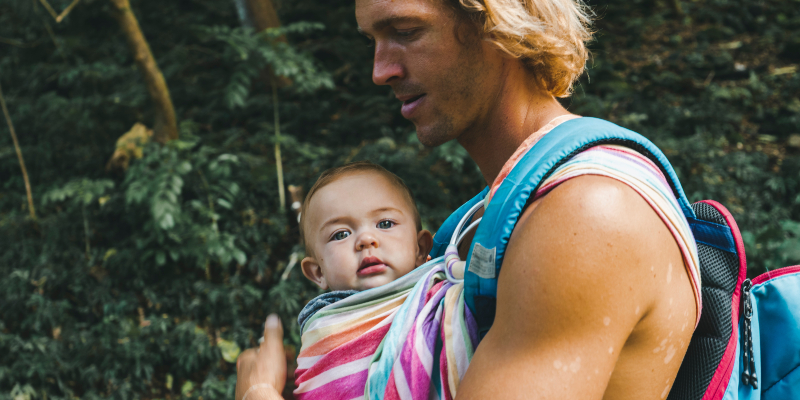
(361, 229)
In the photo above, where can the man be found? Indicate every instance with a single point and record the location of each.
(588, 297)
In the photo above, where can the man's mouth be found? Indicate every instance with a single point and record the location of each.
(411, 99)
(371, 265)
(410, 104)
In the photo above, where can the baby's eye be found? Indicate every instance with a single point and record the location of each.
(385, 224)
(341, 235)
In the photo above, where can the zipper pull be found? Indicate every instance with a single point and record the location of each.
(749, 376)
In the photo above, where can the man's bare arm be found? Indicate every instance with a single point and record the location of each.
(575, 287)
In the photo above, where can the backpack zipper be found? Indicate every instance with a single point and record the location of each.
(749, 376)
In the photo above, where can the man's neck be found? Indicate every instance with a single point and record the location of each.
(520, 109)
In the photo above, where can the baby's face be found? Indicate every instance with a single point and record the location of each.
(362, 234)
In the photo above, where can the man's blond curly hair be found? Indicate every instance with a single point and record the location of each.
(549, 36)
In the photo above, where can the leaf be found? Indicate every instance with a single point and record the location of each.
(230, 350)
(187, 388)
(166, 221)
(228, 157)
(184, 167)
(224, 203)
(109, 253)
(161, 258)
(240, 257)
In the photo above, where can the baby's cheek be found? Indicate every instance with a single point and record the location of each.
(406, 267)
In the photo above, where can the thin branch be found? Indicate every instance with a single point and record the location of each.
(210, 201)
(13, 42)
(31, 208)
(278, 160)
(49, 8)
(53, 38)
(296, 194)
(292, 262)
(676, 6)
(709, 78)
(86, 235)
(59, 17)
(66, 11)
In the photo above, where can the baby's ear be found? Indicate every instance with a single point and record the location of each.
(424, 246)
(313, 272)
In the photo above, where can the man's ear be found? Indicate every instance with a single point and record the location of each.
(313, 272)
(424, 246)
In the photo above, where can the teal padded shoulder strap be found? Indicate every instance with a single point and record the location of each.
(443, 234)
(511, 198)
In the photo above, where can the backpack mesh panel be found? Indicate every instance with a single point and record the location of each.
(697, 369)
(707, 212)
(719, 271)
(717, 325)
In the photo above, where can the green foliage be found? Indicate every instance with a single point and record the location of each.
(250, 54)
(144, 284)
(717, 90)
(80, 191)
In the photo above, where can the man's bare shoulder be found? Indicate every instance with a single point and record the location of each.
(603, 208)
(594, 236)
(583, 294)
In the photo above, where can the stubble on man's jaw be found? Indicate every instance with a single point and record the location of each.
(470, 76)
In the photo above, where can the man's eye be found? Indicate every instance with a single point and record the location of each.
(341, 235)
(406, 33)
(385, 224)
(370, 41)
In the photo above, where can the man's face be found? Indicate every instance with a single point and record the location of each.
(445, 81)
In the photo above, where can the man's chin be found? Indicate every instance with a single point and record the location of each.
(433, 135)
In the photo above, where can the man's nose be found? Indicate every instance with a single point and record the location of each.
(386, 68)
(367, 240)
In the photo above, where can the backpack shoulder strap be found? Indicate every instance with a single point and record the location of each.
(512, 197)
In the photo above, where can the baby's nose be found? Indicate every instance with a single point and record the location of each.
(367, 240)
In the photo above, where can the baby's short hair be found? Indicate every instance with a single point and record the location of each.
(333, 174)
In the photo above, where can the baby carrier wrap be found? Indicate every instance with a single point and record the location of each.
(414, 337)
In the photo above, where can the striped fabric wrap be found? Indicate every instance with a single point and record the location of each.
(410, 339)
(414, 338)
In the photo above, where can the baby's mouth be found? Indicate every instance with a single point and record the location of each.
(371, 265)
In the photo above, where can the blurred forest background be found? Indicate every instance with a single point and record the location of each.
(143, 275)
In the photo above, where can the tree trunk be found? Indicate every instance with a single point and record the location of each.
(166, 127)
(263, 14)
(257, 14)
